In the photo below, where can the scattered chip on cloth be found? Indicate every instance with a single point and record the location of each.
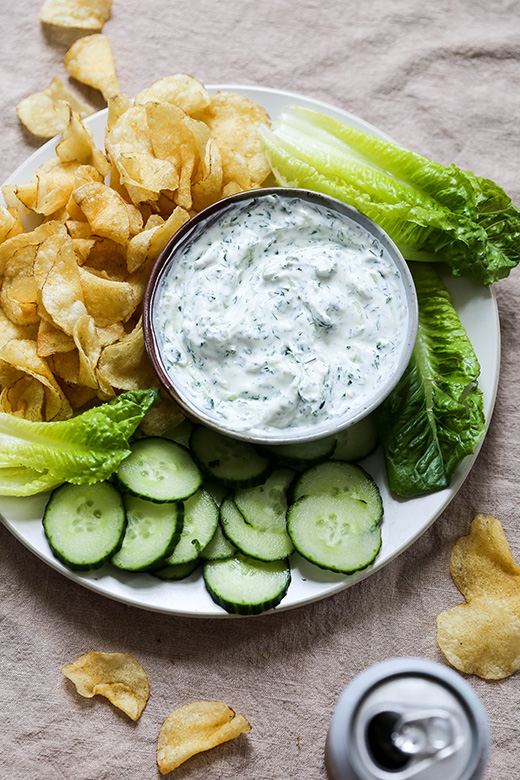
(90, 61)
(46, 113)
(198, 726)
(482, 636)
(82, 14)
(117, 676)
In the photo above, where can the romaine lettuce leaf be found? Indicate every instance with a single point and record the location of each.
(434, 417)
(37, 456)
(433, 212)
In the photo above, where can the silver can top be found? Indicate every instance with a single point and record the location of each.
(415, 726)
(408, 719)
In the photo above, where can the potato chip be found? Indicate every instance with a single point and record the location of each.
(88, 344)
(90, 61)
(181, 89)
(10, 223)
(178, 138)
(482, 563)
(148, 244)
(77, 145)
(108, 258)
(57, 275)
(194, 728)
(46, 113)
(22, 355)
(482, 636)
(51, 339)
(65, 365)
(10, 330)
(207, 187)
(125, 364)
(108, 214)
(117, 676)
(19, 299)
(81, 14)
(129, 145)
(83, 248)
(27, 243)
(233, 121)
(79, 397)
(51, 186)
(19, 292)
(107, 301)
(162, 418)
(25, 398)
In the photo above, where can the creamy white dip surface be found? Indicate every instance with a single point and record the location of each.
(282, 314)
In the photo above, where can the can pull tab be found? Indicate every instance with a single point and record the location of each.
(425, 733)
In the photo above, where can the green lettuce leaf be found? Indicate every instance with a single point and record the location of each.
(434, 417)
(433, 212)
(37, 456)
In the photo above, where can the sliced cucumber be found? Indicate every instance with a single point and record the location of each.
(339, 477)
(219, 492)
(228, 461)
(264, 545)
(200, 523)
(159, 470)
(219, 547)
(265, 506)
(85, 524)
(303, 454)
(244, 586)
(151, 535)
(358, 441)
(336, 532)
(177, 571)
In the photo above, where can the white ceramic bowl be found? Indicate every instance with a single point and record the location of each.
(190, 233)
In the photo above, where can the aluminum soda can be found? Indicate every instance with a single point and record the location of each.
(408, 719)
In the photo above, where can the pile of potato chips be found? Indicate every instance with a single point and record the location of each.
(191, 729)
(482, 636)
(78, 242)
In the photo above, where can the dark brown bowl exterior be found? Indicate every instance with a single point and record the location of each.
(196, 225)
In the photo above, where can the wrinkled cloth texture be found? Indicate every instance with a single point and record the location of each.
(442, 78)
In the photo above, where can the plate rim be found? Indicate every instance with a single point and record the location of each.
(90, 581)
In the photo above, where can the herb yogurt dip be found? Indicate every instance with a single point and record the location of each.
(281, 314)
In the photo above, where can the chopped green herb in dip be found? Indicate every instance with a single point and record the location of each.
(281, 314)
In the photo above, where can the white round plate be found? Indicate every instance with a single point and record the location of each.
(404, 519)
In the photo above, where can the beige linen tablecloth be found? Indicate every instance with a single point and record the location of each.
(442, 78)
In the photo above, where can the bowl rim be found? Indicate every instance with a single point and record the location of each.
(299, 434)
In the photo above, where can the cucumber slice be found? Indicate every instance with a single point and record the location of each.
(228, 461)
(85, 524)
(151, 535)
(200, 523)
(177, 571)
(335, 532)
(262, 545)
(218, 548)
(244, 586)
(339, 477)
(159, 470)
(358, 441)
(303, 454)
(219, 492)
(265, 506)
